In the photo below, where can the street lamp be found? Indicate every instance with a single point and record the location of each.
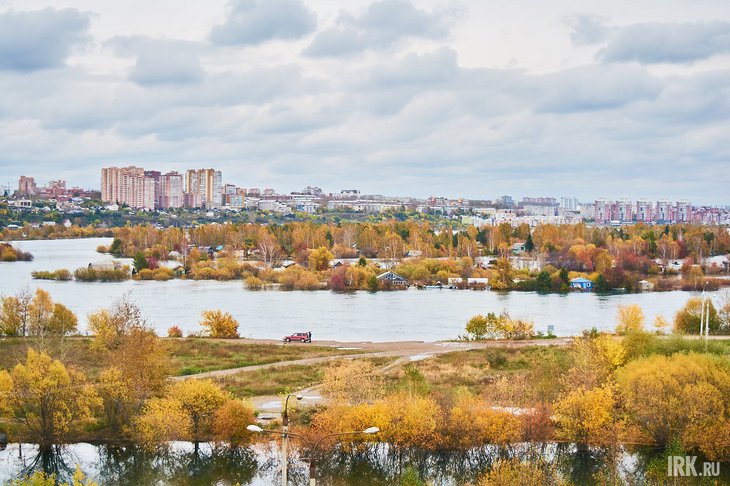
(313, 447)
(285, 439)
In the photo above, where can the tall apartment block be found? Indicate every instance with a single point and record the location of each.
(126, 185)
(26, 186)
(171, 190)
(203, 188)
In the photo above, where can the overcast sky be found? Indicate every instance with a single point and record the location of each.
(471, 98)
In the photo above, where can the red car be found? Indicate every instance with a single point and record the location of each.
(302, 337)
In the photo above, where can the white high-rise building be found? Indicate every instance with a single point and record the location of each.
(203, 188)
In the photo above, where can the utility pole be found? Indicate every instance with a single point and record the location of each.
(285, 440)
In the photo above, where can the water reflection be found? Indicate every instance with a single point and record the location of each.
(184, 464)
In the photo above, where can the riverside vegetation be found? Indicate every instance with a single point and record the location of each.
(601, 392)
(613, 258)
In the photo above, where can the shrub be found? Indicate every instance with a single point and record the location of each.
(61, 274)
(89, 274)
(174, 332)
(219, 324)
(253, 283)
(10, 254)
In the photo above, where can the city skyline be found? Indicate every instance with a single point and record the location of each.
(390, 96)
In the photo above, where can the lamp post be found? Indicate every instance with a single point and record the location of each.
(285, 440)
(313, 446)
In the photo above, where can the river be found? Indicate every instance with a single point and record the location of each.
(412, 314)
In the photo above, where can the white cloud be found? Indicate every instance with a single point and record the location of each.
(40, 39)
(252, 22)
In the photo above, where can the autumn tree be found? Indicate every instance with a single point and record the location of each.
(320, 258)
(584, 416)
(630, 319)
(352, 382)
(111, 326)
(513, 472)
(219, 324)
(50, 401)
(688, 318)
(677, 397)
(162, 420)
(199, 399)
(230, 422)
(15, 313)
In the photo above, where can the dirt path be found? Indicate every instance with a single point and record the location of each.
(414, 350)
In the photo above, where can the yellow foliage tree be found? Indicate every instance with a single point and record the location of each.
(162, 420)
(219, 324)
(352, 382)
(630, 318)
(320, 258)
(584, 416)
(660, 324)
(230, 422)
(49, 400)
(199, 399)
(678, 397)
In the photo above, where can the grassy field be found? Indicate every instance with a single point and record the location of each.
(283, 379)
(189, 356)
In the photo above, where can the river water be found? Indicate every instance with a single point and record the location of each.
(182, 465)
(412, 314)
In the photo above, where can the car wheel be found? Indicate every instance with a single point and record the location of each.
(287, 340)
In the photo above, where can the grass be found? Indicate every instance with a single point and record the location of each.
(477, 368)
(282, 379)
(192, 356)
(189, 356)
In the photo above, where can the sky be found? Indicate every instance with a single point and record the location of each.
(471, 99)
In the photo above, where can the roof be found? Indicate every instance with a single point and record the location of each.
(391, 276)
(580, 280)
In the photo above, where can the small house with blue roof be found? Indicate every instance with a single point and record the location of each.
(580, 283)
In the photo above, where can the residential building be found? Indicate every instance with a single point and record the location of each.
(602, 211)
(623, 211)
(156, 196)
(171, 190)
(569, 203)
(204, 186)
(26, 186)
(124, 185)
(683, 212)
(644, 211)
(664, 211)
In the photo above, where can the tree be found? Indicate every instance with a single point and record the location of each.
(219, 324)
(630, 319)
(677, 397)
(144, 362)
(199, 399)
(504, 278)
(162, 420)
(583, 416)
(140, 262)
(110, 326)
(660, 324)
(117, 401)
(688, 318)
(63, 321)
(49, 400)
(230, 422)
(529, 244)
(352, 382)
(11, 317)
(480, 327)
(320, 258)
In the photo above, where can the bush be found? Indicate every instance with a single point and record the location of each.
(90, 274)
(219, 324)
(61, 274)
(160, 274)
(10, 254)
(253, 283)
(174, 332)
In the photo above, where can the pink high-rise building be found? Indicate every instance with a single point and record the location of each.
(171, 190)
(644, 211)
(603, 211)
(125, 185)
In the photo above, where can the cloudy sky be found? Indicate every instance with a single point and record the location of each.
(400, 97)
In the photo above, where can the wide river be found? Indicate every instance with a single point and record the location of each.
(426, 315)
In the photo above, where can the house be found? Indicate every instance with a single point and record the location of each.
(393, 279)
(580, 283)
(645, 286)
(518, 248)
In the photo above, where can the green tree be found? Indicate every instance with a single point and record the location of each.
(140, 262)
